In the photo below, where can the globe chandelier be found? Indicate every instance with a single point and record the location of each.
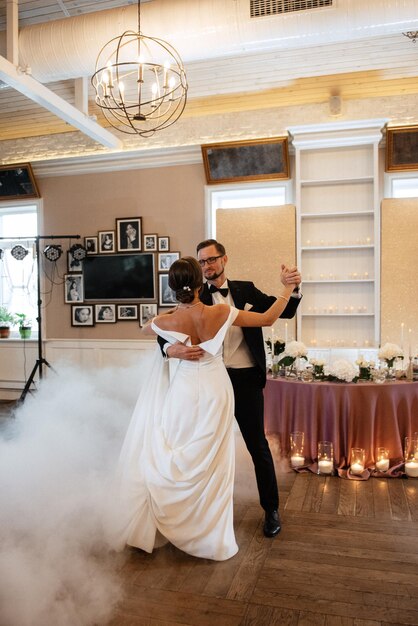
(140, 83)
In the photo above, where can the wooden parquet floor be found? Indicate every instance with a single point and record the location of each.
(347, 555)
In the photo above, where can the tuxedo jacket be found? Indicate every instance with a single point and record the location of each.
(246, 293)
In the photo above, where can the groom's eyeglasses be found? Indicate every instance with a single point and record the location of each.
(210, 261)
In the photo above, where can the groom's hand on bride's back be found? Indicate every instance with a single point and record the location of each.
(186, 353)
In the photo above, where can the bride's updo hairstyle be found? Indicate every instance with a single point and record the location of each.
(184, 277)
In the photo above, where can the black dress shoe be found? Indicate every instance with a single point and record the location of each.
(272, 525)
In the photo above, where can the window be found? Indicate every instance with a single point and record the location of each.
(18, 278)
(248, 196)
(405, 187)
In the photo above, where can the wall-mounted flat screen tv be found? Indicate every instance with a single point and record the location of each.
(119, 277)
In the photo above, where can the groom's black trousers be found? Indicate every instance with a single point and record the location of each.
(249, 412)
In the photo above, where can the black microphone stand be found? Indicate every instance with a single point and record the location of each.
(40, 361)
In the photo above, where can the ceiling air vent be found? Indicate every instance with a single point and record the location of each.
(261, 8)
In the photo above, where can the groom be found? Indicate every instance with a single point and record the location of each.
(245, 361)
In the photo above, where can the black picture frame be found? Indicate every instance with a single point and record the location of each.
(73, 288)
(147, 312)
(106, 241)
(77, 315)
(163, 244)
(74, 265)
(401, 148)
(250, 160)
(166, 295)
(129, 234)
(166, 259)
(105, 313)
(126, 312)
(150, 243)
(17, 181)
(91, 245)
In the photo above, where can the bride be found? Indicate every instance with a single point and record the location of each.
(177, 461)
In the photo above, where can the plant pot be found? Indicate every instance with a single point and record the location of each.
(25, 332)
(4, 332)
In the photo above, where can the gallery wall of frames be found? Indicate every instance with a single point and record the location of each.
(122, 277)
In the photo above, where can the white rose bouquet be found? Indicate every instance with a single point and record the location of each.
(343, 371)
(318, 368)
(365, 368)
(389, 352)
(293, 351)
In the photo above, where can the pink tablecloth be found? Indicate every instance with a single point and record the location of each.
(363, 415)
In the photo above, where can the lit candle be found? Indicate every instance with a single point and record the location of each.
(297, 460)
(402, 329)
(410, 342)
(285, 332)
(109, 69)
(357, 468)
(325, 466)
(411, 468)
(382, 465)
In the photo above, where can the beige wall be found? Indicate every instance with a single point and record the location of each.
(170, 201)
(257, 241)
(399, 275)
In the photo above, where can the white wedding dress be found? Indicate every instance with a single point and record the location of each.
(178, 459)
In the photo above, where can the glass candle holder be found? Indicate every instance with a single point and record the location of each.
(325, 457)
(411, 456)
(382, 459)
(297, 458)
(358, 460)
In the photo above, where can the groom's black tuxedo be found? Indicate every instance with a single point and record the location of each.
(246, 293)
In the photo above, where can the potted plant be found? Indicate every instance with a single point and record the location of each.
(25, 325)
(7, 319)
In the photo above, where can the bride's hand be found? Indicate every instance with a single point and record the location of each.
(290, 276)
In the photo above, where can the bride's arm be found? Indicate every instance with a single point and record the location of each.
(289, 278)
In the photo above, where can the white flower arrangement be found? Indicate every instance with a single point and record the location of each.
(361, 362)
(389, 352)
(295, 349)
(317, 362)
(343, 371)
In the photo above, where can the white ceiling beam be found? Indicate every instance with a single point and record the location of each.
(12, 31)
(43, 96)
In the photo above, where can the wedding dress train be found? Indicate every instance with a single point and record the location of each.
(178, 458)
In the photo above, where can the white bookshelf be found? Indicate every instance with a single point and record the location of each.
(338, 233)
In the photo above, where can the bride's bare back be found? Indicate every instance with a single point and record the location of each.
(199, 322)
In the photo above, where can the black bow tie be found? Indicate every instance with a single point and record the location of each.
(223, 292)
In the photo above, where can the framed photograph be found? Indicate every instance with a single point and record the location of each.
(73, 288)
(91, 245)
(146, 313)
(150, 243)
(17, 181)
(167, 295)
(106, 241)
(402, 148)
(255, 159)
(163, 244)
(166, 259)
(73, 265)
(129, 234)
(105, 313)
(82, 315)
(126, 312)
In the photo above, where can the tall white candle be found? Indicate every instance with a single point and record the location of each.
(402, 329)
(410, 342)
(382, 465)
(285, 332)
(411, 468)
(357, 468)
(325, 467)
(297, 460)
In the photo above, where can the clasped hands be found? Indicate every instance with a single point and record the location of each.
(290, 276)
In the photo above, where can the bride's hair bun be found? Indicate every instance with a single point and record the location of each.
(184, 277)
